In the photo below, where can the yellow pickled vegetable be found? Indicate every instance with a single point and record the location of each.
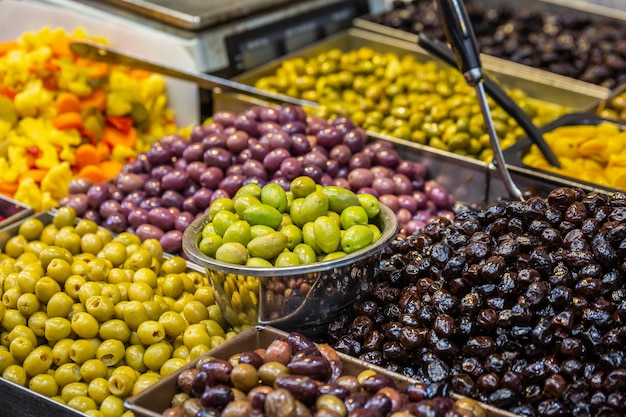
(591, 153)
(55, 105)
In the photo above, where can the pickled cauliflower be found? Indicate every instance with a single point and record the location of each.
(62, 116)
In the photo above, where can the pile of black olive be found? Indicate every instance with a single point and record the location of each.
(518, 304)
(568, 43)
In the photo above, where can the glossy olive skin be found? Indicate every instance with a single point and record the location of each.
(303, 392)
(503, 304)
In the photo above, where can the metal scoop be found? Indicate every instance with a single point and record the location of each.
(99, 52)
(460, 34)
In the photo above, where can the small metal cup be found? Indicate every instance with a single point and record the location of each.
(303, 297)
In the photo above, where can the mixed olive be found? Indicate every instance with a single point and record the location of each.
(517, 304)
(159, 194)
(405, 97)
(271, 227)
(89, 318)
(568, 43)
(292, 376)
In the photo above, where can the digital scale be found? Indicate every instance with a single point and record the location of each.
(228, 37)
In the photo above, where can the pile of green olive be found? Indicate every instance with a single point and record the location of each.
(268, 226)
(88, 318)
(403, 97)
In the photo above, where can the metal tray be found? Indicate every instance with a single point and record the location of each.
(559, 7)
(537, 84)
(154, 400)
(544, 181)
(13, 211)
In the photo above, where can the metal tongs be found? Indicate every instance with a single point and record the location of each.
(99, 52)
(497, 93)
(460, 34)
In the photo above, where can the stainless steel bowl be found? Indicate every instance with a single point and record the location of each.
(303, 297)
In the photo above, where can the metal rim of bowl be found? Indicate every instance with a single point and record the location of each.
(387, 219)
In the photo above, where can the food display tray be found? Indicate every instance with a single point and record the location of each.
(12, 211)
(19, 401)
(559, 7)
(535, 83)
(542, 180)
(154, 400)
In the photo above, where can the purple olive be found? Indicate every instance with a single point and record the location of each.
(136, 196)
(282, 181)
(172, 241)
(195, 169)
(92, 215)
(300, 144)
(390, 201)
(128, 182)
(148, 231)
(244, 155)
(175, 180)
(202, 198)
(152, 188)
(380, 171)
(355, 139)
(318, 159)
(384, 185)
(211, 177)
(137, 217)
(254, 168)
(258, 150)
(116, 222)
(216, 140)
(237, 141)
(158, 154)
(190, 205)
(126, 206)
(225, 118)
(288, 113)
(341, 153)
(79, 185)
(368, 190)
(172, 199)
(332, 168)
(179, 145)
(97, 194)
(247, 124)
(231, 183)
(161, 217)
(78, 201)
(213, 128)
(267, 127)
(193, 152)
(219, 193)
(294, 127)
(183, 220)
(313, 171)
(360, 160)
(387, 158)
(360, 177)
(268, 114)
(218, 157)
(316, 125)
(407, 202)
(290, 168)
(330, 137)
(402, 184)
(273, 159)
(437, 194)
(160, 170)
(108, 208)
(342, 182)
(197, 133)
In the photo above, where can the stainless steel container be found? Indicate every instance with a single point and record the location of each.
(247, 297)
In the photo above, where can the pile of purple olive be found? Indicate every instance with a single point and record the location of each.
(521, 305)
(164, 189)
(294, 377)
(567, 43)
